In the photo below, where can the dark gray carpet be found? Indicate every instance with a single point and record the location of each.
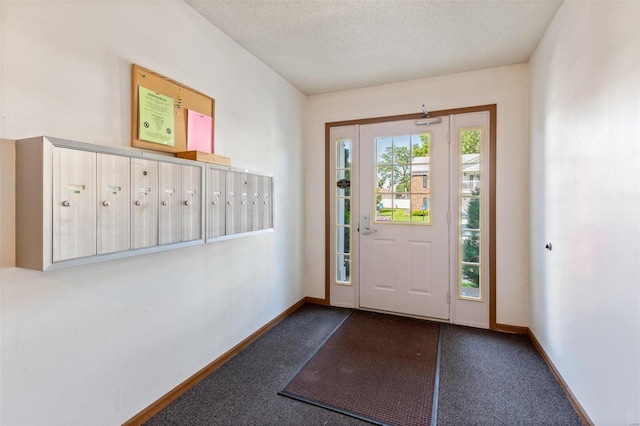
(489, 378)
(486, 378)
(244, 390)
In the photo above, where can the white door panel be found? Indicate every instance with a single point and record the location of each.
(404, 255)
(419, 267)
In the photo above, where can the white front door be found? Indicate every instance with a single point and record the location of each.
(404, 218)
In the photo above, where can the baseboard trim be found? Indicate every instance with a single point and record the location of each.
(170, 396)
(572, 398)
(316, 301)
(514, 329)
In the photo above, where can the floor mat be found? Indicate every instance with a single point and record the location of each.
(376, 367)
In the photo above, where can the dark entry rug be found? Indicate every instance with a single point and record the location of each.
(376, 367)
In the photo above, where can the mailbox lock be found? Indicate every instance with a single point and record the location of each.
(187, 203)
(137, 203)
(106, 203)
(144, 173)
(255, 202)
(229, 202)
(66, 203)
(213, 203)
(164, 203)
(243, 203)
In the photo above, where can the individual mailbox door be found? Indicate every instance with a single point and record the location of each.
(216, 200)
(144, 203)
(113, 212)
(191, 203)
(74, 204)
(170, 217)
(236, 203)
(253, 198)
(245, 217)
(266, 202)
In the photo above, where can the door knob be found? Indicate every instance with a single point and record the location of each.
(66, 203)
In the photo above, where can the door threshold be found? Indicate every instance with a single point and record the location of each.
(400, 314)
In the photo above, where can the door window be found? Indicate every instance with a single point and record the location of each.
(402, 179)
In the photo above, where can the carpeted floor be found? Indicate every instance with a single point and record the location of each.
(486, 378)
(490, 378)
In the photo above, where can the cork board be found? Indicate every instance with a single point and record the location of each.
(184, 99)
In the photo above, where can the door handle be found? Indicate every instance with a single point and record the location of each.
(365, 222)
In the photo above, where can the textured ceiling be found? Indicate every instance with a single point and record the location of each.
(324, 46)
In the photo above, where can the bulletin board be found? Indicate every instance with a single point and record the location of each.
(184, 99)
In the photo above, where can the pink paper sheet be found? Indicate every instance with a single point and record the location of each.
(199, 132)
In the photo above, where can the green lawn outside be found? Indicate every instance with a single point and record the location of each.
(400, 215)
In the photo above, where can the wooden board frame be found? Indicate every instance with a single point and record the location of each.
(185, 99)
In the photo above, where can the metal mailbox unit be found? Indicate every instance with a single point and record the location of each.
(78, 203)
(238, 202)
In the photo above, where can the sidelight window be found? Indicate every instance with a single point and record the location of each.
(343, 212)
(470, 221)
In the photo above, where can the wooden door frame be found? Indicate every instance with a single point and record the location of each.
(492, 110)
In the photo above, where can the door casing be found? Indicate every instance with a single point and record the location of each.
(492, 150)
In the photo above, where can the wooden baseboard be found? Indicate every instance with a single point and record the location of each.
(316, 301)
(514, 329)
(572, 398)
(169, 397)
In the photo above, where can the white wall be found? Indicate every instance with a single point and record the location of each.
(504, 86)
(97, 344)
(585, 199)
